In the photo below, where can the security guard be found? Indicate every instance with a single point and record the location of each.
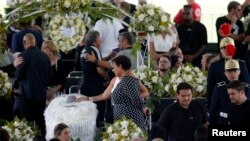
(216, 70)
(220, 104)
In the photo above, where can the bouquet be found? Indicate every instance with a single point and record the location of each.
(151, 79)
(5, 85)
(20, 130)
(150, 19)
(123, 129)
(187, 73)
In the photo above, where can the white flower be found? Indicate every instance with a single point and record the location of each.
(188, 78)
(124, 124)
(173, 77)
(151, 12)
(187, 69)
(141, 17)
(179, 80)
(124, 132)
(167, 88)
(151, 28)
(155, 79)
(198, 80)
(110, 129)
(199, 88)
(164, 18)
(142, 76)
(196, 69)
(114, 136)
(67, 4)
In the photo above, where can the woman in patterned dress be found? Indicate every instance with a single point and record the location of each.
(127, 99)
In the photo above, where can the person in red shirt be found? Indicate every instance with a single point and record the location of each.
(178, 19)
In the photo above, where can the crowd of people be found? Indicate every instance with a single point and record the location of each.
(104, 57)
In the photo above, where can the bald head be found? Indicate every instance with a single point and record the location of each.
(29, 40)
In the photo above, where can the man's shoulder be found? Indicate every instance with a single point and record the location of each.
(246, 85)
(221, 84)
(221, 20)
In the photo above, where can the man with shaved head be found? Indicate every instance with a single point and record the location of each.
(32, 76)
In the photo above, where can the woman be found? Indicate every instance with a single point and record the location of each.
(160, 44)
(62, 132)
(126, 95)
(57, 79)
(176, 51)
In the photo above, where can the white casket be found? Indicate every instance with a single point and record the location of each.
(79, 116)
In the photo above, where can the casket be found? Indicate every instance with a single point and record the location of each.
(79, 116)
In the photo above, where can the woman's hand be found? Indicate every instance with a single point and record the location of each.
(82, 99)
(146, 111)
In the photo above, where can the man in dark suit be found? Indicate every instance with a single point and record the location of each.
(93, 74)
(32, 76)
(216, 70)
(220, 104)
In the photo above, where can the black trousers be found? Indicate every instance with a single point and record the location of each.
(32, 111)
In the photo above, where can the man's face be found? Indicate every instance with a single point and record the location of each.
(185, 97)
(25, 40)
(237, 11)
(98, 42)
(187, 14)
(223, 53)
(122, 42)
(232, 75)
(164, 63)
(234, 95)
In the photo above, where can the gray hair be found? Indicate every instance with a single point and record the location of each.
(128, 36)
(91, 37)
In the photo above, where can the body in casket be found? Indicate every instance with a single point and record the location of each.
(79, 116)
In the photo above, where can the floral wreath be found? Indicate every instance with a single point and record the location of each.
(5, 85)
(123, 129)
(187, 73)
(66, 31)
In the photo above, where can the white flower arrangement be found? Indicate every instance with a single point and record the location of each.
(20, 130)
(5, 85)
(123, 129)
(66, 31)
(150, 19)
(246, 22)
(151, 79)
(187, 73)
